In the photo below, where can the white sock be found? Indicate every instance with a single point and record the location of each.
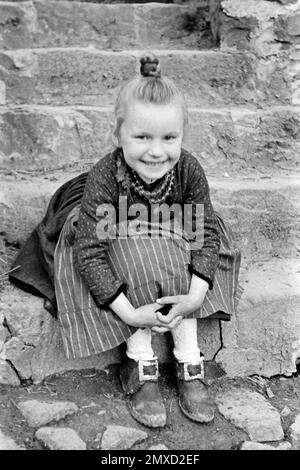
(139, 345)
(186, 347)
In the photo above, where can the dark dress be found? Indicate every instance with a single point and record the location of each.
(144, 270)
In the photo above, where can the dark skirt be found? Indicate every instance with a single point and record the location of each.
(152, 268)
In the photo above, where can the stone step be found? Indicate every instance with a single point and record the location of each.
(88, 76)
(233, 140)
(262, 212)
(264, 337)
(117, 26)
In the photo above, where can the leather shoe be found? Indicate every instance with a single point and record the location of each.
(139, 380)
(194, 399)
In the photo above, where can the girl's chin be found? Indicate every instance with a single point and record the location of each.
(150, 174)
(150, 177)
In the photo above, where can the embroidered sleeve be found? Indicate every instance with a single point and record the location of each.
(205, 243)
(91, 245)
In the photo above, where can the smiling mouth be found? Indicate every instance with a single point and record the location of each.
(154, 164)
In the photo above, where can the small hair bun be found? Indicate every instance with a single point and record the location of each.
(150, 66)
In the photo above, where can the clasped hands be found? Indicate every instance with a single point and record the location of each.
(182, 305)
(148, 316)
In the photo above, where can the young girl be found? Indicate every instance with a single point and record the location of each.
(135, 252)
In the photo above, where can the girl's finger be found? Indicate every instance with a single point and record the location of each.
(163, 329)
(162, 318)
(166, 319)
(160, 329)
(171, 299)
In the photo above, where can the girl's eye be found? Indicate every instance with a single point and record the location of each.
(141, 137)
(170, 137)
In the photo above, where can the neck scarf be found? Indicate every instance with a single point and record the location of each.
(158, 193)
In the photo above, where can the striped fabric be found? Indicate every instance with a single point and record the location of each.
(152, 267)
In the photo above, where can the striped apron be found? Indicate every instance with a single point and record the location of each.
(153, 267)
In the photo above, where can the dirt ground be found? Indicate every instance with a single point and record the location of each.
(101, 402)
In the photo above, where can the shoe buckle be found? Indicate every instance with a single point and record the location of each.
(145, 376)
(187, 373)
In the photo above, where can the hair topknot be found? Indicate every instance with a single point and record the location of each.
(150, 66)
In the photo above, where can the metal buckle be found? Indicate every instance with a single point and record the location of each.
(147, 377)
(186, 374)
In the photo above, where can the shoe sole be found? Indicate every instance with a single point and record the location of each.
(198, 419)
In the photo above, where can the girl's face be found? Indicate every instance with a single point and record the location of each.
(151, 137)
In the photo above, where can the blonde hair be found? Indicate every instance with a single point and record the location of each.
(150, 87)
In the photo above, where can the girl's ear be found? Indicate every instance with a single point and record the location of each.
(113, 131)
(185, 135)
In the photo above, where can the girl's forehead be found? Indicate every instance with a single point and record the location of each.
(139, 114)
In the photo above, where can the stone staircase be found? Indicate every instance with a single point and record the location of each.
(61, 63)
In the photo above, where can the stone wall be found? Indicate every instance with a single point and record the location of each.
(61, 65)
(265, 335)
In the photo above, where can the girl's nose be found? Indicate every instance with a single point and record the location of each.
(156, 150)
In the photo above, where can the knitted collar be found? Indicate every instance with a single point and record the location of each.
(155, 192)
